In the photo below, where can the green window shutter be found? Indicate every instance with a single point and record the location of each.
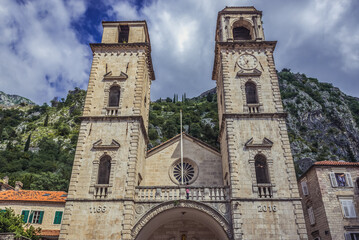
(41, 216)
(25, 215)
(2, 210)
(31, 216)
(58, 217)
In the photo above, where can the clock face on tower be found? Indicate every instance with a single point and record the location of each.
(247, 61)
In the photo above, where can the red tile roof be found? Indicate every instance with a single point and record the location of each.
(33, 196)
(336, 163)
(49, 233)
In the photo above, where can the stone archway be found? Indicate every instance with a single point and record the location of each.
(185, 214)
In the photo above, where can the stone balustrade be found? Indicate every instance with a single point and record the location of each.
(112, 111)
(265, 191)
(166, 193)
(101, 190)
(253, 108)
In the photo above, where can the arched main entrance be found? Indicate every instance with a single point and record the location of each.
(177, 220)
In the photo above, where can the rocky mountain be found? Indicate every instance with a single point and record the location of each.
(323, 122)
(37, 143)
(8, 100)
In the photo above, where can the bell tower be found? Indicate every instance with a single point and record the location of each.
(256, 155)
(113, 136)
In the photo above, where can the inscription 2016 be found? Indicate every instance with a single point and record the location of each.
(98, 209)
(265, 208)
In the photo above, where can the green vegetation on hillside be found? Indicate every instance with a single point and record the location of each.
(200, 119)
(37, 143)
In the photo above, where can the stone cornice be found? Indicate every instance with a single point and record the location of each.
(236, 45)
(119, 118)
(226, 116)
(265, 199)
(115, 47)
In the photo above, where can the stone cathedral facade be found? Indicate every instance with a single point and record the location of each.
(247, 190)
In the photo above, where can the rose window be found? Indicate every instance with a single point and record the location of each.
(188, 172)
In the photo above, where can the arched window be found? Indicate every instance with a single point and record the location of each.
(104, 170)
(241, 33)
(251, 93)
(261, 166)
(114, 98)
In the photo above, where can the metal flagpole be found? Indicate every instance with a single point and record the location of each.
(181, 149)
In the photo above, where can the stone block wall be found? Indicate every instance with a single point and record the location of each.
(159, 164)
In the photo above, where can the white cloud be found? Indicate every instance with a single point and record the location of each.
(41, 55)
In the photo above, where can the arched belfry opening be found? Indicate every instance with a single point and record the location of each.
(104, 170)
(188, 220)
(242, 30)
(251, 93)
(261, 167)
(114, 96)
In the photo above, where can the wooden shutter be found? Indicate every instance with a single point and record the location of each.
(311, 216)
(25, 215)
(41, 216)
(349, 180)
(305, 188)
(333, 180)
(351, 207)
(31, 216)
(348, 208)
(347, 236)
(58, 216)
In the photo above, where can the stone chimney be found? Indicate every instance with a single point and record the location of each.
(18, 185)
(5, 181)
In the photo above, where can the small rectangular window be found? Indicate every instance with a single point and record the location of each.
(351, 236)
(58, 217)
(341, 179)
(348, 208)
(311, 216)
(36, 217)
(123, 35)
(25, 215)
(305, 188)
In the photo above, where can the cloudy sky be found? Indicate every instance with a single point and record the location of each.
(44, 43)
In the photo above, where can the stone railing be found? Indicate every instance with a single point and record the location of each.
(112, 111)
(101, 190)
(164, 193)
(253, 108)
(265, 190)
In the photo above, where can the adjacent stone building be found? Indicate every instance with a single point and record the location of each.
(41, 209)
(330, 199)
(248, 190)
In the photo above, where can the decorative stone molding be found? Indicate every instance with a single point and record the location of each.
(266, 143)
(265, 150)
(185, 160)
(112, 111)
(255, 80)
(113, 145)
(108, 48)
(109, 77)
(152, 213)
(94, 187)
